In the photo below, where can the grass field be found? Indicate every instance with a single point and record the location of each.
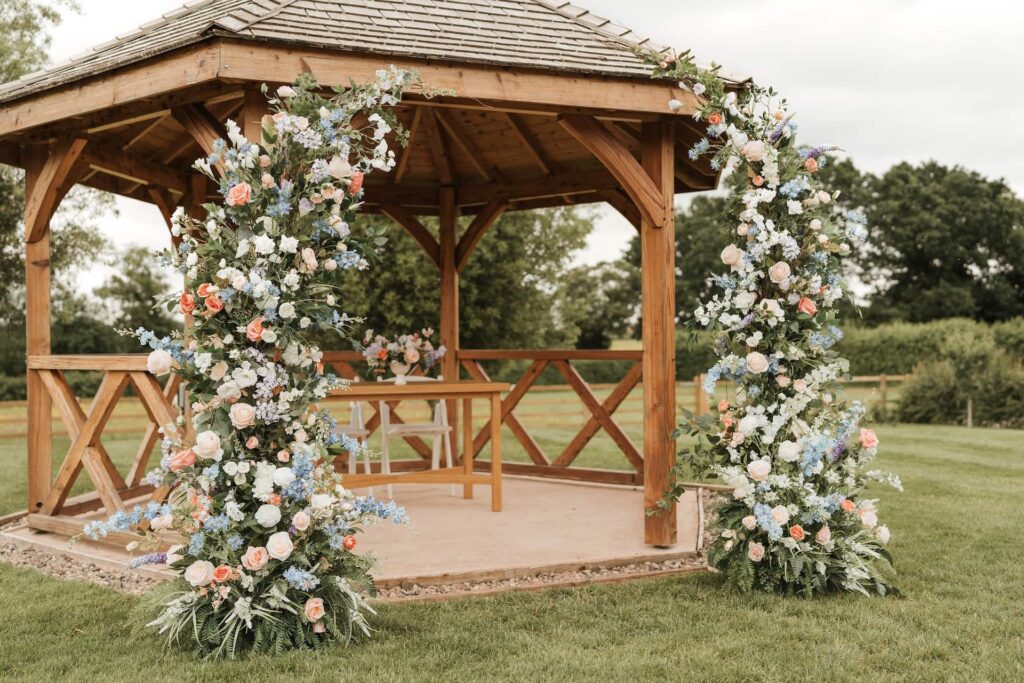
(957, 539)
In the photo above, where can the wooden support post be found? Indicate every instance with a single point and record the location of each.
(447, 246)
(37, 342)
(253, 109)
(659, 362)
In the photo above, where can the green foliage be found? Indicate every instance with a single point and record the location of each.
(24, 26)
(935, 393)
(131, 294)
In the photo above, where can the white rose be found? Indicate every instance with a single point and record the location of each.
(750, 522)
(301, 521)
(754, 150)
(757, 362)
(245, 377)
(239, 282)
(824, 197)
(339, 168)
(263, 245)
(283, 476)
(305, 322)
(321, 501)
(269, 336)
(815, 224)
(279, 545)
(780, 513)
(789, 451)
(231, 468)
(289, 245)
(162, 522)
(779, 272)
(159, 362)
(759, 469)
(732, 255)
(286, 91)
(747, 424)
(744, 300)
(286, 310)
(229, 390)
(199, 573)
(869, 519)
(242, 415)
(268, 515)
(207, 444)
(882, 534)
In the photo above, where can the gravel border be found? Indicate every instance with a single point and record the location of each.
(133, 582)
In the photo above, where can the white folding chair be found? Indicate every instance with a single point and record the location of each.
(438, 429)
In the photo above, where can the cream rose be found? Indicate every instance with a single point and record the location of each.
(882, 534)
(159, 362)
(744, 300)
(754, 150)
(207, 445)
(283, 476)
(780, 513)
(279, 545)
(255, 558)
(732, 255)
(789, 451)
(750, 522)
(869, 519)
(301, 521)
(800, 385)
(268, 515)
(757, 362)
(199, 573)
(242, 415)
(824, 535)
(759, 469)
(779, 272)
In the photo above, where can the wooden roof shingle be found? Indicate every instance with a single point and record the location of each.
(543, 34)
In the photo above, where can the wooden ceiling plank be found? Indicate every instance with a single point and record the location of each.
(403, 159)
(132, 168)
(530, 143)
(438, 150)
(476, 157)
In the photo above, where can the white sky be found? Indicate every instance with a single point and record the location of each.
(888, 80)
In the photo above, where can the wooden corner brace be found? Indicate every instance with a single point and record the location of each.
(50, 187)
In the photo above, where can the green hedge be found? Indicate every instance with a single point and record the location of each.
(932, 395)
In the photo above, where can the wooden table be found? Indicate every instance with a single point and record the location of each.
(374, 392)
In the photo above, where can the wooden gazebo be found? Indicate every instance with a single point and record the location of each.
(552, 107)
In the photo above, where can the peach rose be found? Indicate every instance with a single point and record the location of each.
(779, 272)
(349, 542)
(222, 573)
(187, 303)
(811, 165)
(182, 459)
(723, 405)
(824, 535)
(309, 258)
(757, 180)
(755, 551)
(239, 195)
(412, 356)
(203, 290)
(807, 306)
(255, 558)
(252, 442)
(314, 609)
(800, 385)
(868, 438)
(848, 505)
(797, 532)
(254, 330)
(283, 456)
(242, 415)
(356, 183)
(715, 119)
(214, 306)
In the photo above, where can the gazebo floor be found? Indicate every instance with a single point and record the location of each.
(546, 527)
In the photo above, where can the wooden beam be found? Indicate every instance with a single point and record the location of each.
(657, 270)
(254, 108)
(476, 157)
(45, 194)
(593, 135)
(438, 150)
(449, 308)
(151, 125)
(122, 165)
(483, 220)
(202, 126)
(530, 143)
(403, 160)
(415, 229)
(623, 204)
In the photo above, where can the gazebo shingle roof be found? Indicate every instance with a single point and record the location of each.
(545, 34)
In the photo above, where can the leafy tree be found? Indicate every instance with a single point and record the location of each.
(596, 298)
(24, 27)
(130, 294)
(946, 242)
(510, 292)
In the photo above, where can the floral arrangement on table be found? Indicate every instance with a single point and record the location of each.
(794, 455)
(270, 529)
(402, 354)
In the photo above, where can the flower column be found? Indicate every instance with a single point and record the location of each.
(659, 314)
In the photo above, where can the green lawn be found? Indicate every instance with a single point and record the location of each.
(957, 539)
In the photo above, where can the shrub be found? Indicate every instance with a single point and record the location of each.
(1009, 336)
(933, 395)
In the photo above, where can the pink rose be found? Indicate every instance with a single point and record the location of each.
(356, 183)
(750, 522)
(239, 195)
(199, 573)
(279, 545)
(732, 255)
(797, 532)
(411, 355)
(182, 459)
(301, 521)
(800, 385)
(242, 415)
(824, 535)
(255, 558)
(868, 438)
(309, 258)
(314, 609)
(754, 150)
(780, 513)
(755, 551)
(779, 272)
(807, 306)
(757, 362)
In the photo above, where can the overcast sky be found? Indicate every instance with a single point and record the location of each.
(888, 80)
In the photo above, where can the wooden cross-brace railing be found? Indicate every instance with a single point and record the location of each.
(85, 429)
